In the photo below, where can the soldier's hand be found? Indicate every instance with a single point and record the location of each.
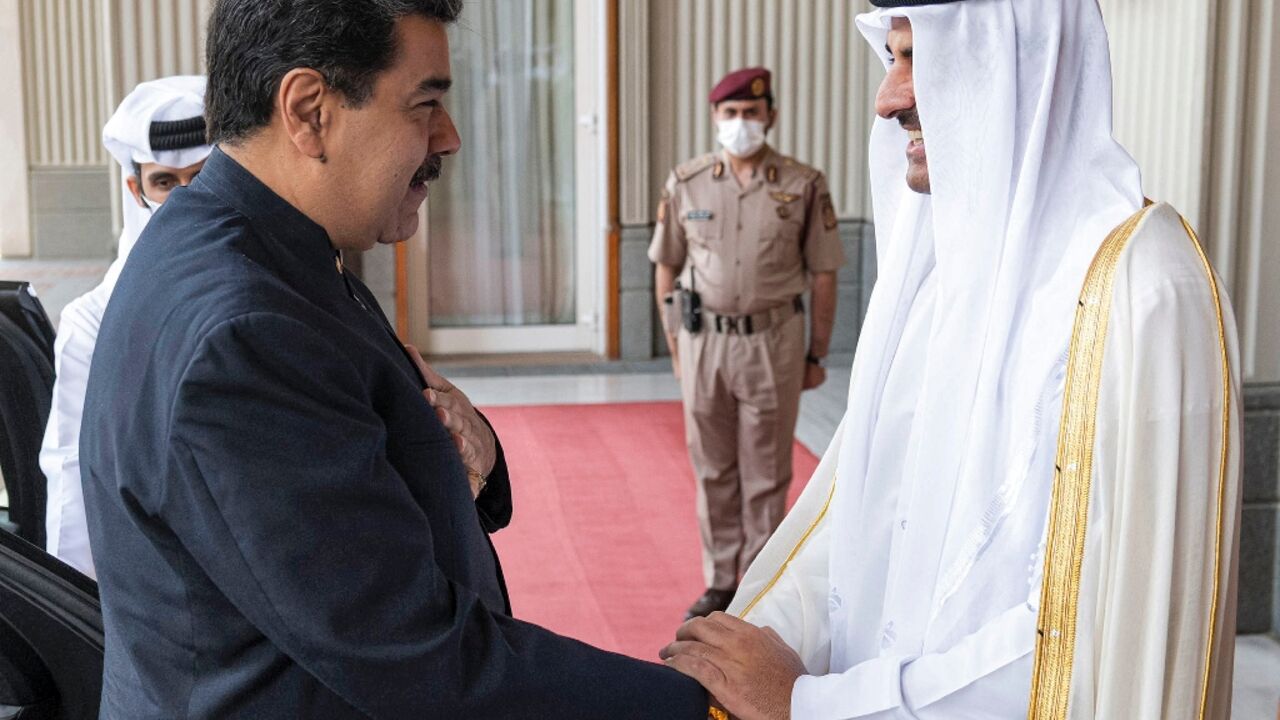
(470, 432)
(814, 376)
(673, 344)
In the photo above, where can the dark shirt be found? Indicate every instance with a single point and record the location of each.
(281, 526)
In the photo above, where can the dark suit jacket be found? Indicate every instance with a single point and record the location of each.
(281, 526)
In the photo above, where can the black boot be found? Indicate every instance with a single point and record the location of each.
(711, 601)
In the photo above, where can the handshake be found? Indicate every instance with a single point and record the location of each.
(748, 670)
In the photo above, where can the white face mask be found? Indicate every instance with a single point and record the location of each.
(740, 138)
(151, 204)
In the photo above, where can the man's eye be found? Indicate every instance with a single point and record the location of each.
(889, 60)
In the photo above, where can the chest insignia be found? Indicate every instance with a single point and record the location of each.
(784, 211)
(771, 174)
(784, 197)
(699, 215)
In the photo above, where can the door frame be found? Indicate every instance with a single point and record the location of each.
(595, 143)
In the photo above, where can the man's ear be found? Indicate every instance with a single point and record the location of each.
(300, 103)
(135, 189)
(773, 119)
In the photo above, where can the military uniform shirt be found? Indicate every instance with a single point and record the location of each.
(746, 249)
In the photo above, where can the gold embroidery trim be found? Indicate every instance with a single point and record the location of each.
(1222, 462)
(1069, 508)
(794, 551)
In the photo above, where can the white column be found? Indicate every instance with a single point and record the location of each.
(15, 204)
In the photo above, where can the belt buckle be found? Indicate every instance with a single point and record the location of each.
(734, 325)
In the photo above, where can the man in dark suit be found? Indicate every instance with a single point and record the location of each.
(283, 526)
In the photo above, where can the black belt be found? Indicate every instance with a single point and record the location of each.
(758, 322)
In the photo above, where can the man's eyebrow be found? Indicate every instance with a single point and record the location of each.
(161, 175)
(435, 85)
(904, 52)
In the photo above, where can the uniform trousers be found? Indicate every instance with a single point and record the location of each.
(741, 398)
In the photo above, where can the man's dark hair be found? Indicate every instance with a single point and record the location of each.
(253, 44)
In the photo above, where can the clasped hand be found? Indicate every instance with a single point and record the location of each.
(750, 671)
(470, 432)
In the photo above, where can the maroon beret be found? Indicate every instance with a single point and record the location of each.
(745, 84)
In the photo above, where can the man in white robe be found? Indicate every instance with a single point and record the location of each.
(1031, 507)
(157, 136)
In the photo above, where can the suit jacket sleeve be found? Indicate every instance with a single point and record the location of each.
(280, 488)
(494, 502)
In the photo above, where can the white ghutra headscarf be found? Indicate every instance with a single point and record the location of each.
(128, 137)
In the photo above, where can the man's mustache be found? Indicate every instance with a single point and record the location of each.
(430, 170)
(909, 119)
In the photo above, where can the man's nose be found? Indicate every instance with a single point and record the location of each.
(445, 139)
(897, 93)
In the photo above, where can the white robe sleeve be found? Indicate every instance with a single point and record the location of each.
(65, 524)
(1156, 623)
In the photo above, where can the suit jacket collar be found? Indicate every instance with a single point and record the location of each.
(300, 245)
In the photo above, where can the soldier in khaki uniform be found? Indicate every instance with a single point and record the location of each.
(747, 230)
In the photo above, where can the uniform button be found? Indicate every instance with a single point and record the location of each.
(904, 524)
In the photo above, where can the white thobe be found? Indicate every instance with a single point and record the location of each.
(1157, 580)
(65, 524)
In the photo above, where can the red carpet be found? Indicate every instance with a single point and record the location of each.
(604, 545)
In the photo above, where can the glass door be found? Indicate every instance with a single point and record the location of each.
(508, 258)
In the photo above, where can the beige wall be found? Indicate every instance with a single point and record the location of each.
(673, 51)
(82, 56)
(1194, 88)
(63, 62)
(15, 220)
(78, 59)
(1162, 56)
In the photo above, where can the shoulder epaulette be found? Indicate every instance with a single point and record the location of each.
(808, 173)
(688, 169)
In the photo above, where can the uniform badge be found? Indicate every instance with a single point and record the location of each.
(717, 172)
(772, 174)
(784, 197)
(829, 220)
(784, 211)
(699, 215)
(757, 87)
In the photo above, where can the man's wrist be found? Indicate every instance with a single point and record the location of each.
(815, 359)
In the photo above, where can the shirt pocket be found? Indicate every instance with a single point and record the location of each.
(706, 244)
(780, 241)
